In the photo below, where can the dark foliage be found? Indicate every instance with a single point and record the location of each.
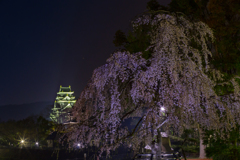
(223, 147)
(119, 38)
(153, 5)
(223, 17)
(32, 129)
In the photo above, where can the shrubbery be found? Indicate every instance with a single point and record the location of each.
(223, 147)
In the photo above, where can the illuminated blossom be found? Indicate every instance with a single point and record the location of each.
(176, 77)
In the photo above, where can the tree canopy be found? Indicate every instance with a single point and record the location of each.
(176, 76)
(223, 17)
(32, 129)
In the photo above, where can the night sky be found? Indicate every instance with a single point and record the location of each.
(48, 43)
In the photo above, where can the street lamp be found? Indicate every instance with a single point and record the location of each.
(162, 109)
(37, 143)
(22, 143)
(78, 144)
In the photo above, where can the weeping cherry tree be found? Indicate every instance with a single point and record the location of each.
(177, 77)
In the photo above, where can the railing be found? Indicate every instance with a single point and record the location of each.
(111, 157)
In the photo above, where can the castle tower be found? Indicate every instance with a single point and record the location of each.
(63, 104)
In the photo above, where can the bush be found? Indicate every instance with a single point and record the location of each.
(223, 152)
(223, 147)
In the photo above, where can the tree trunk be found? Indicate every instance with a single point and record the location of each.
(202, 153)
(159, 144)
(184, 155)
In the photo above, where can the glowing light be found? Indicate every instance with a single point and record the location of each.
(162, 109)
(78, 144)
(37, 143)
(22, 141)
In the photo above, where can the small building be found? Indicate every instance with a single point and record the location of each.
(61, 112)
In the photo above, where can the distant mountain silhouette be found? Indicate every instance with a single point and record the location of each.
(21, 111)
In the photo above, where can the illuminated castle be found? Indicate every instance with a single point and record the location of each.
(64, 102)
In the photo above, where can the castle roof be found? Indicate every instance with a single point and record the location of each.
(65, 89)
